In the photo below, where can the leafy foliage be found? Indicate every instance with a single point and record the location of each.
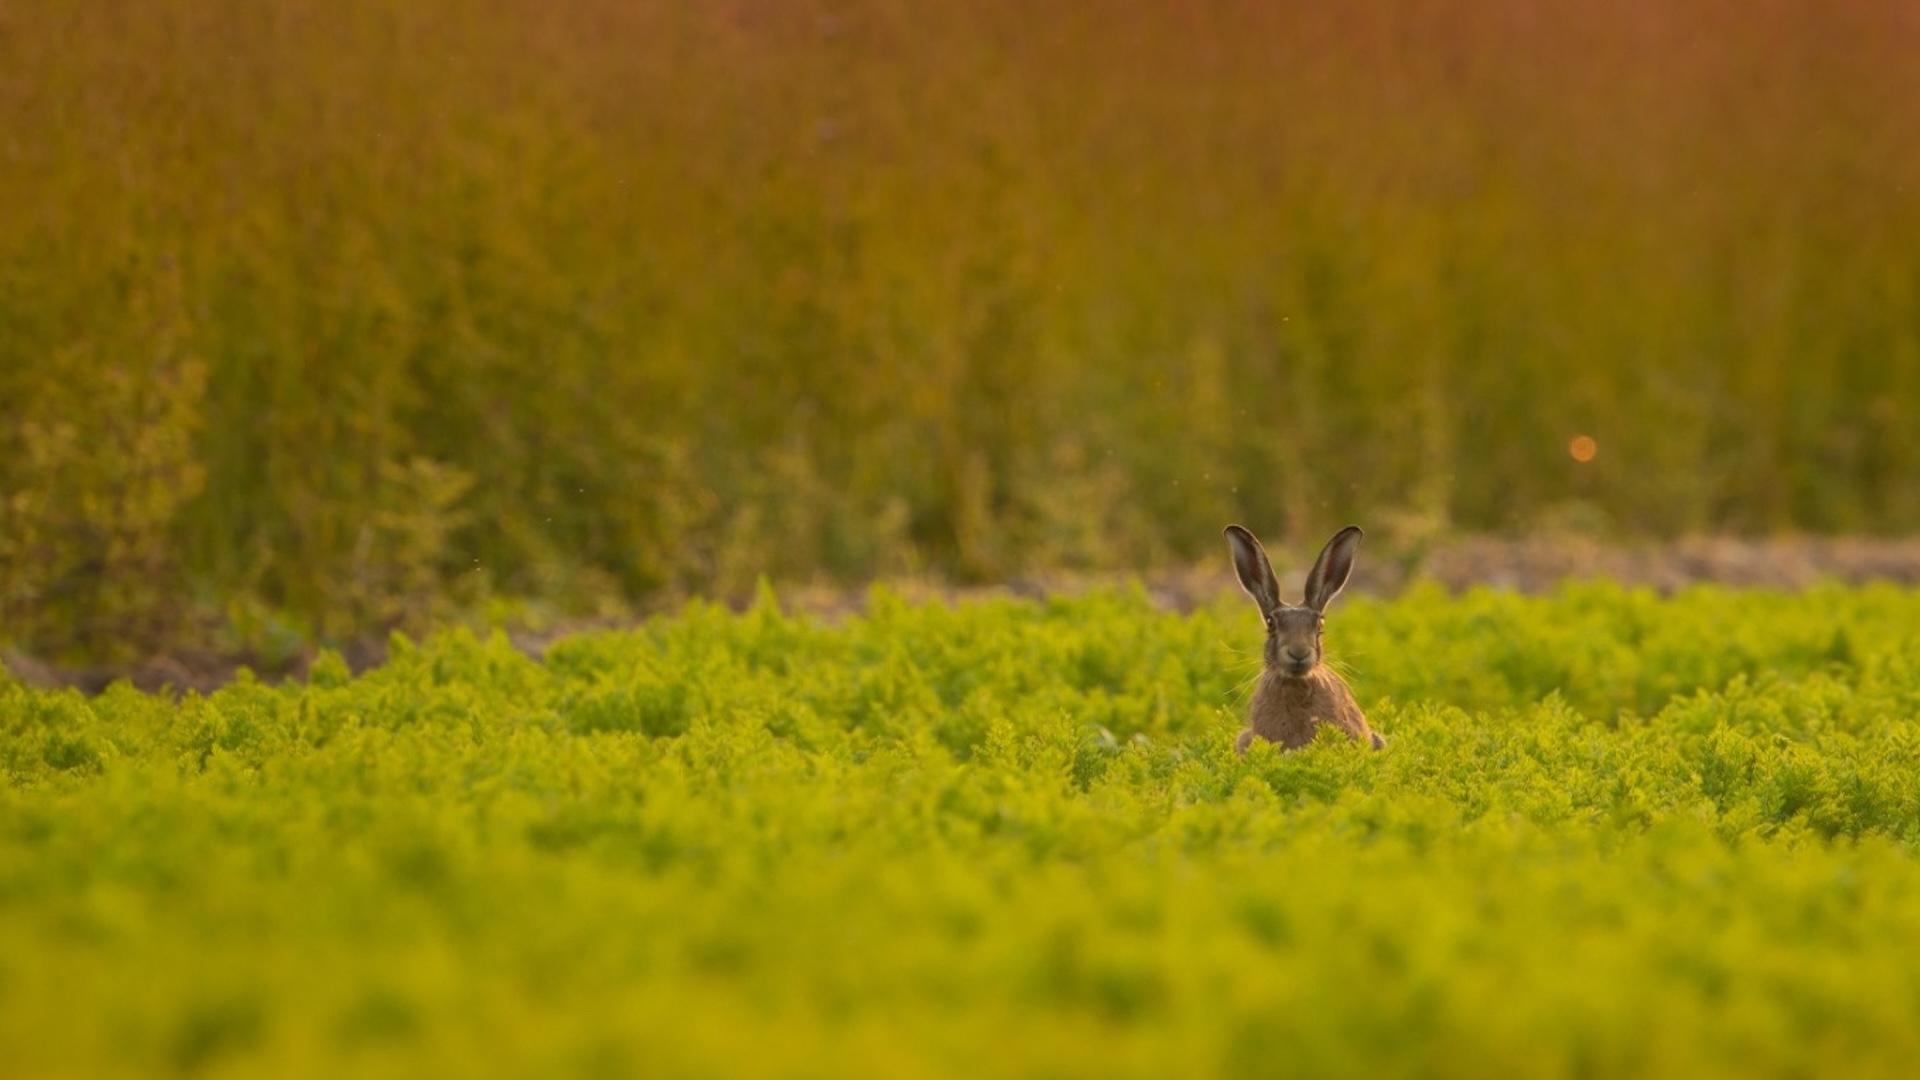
(1613, 835)
(690, 294)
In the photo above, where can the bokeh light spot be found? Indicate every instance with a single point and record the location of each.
(1582, 448)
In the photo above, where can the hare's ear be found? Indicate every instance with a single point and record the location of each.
(1256, 573)
(1330, 570)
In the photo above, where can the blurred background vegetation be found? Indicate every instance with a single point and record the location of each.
(335, 316)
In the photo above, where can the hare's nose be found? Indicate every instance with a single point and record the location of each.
(1299, 654)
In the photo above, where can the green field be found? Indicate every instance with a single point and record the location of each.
(1614, 835)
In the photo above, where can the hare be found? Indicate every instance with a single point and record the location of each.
(1297, 692)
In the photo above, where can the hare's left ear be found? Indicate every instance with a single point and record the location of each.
(1255, 572)
(1330, 570)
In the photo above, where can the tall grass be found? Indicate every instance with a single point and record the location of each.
(589, 299)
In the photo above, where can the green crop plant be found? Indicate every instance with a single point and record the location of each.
(1613, 834)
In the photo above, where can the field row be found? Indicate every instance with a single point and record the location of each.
(1612, 835)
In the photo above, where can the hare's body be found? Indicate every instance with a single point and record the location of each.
(1288, 710)
(1297, 692)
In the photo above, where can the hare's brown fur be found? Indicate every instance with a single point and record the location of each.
(1289, 710)
(1297, 692)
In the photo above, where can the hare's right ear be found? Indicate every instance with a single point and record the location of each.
(1256, 573)
(1330, 570)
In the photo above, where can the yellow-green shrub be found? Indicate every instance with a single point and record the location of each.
(693, 295)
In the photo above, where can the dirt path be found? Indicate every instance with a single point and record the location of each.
(1531, 565)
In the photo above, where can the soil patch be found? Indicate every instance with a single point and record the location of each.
(1529, 565)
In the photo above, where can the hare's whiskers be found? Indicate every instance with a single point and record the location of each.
(1244, 660)
(1340, 666)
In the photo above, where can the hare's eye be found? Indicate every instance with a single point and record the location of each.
(1271, 622)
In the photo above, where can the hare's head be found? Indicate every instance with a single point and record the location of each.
(1293, 630)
